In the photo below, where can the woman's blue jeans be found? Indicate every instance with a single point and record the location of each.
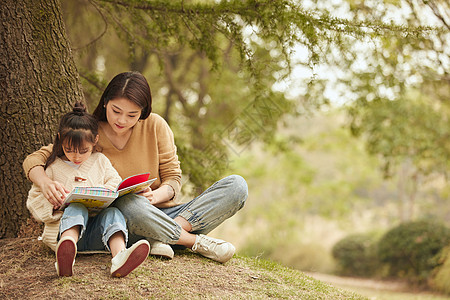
(207, 211)
(95, 231)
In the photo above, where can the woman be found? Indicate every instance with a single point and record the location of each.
(137, 141)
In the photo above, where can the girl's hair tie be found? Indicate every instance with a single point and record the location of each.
(79, 109)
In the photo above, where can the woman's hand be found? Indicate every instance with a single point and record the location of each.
(160, 195)
(150, 195)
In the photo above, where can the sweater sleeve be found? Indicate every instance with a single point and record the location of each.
(169, 165)
(37, 158)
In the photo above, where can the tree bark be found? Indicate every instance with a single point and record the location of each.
(38, 82)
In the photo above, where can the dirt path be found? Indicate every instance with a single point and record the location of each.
(379, 289)
(396, 286)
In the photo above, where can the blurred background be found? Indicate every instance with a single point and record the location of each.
(341, 129)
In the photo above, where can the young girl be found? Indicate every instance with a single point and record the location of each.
(73, 162)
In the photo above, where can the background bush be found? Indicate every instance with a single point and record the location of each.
(356, 255)
(410, 249)
(441, 278)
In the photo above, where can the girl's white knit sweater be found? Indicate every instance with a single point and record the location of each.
(96, 170)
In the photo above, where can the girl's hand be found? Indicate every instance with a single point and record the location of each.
(54, 192)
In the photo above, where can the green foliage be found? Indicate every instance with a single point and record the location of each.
(410, 127)
(409, 249)
(203, 167)
(93, 88)
(212, 63)
(441, 276)
(311, 167)
(356, 255)
(163, 24)
(311, 184)
(398, 85)
(399, 90)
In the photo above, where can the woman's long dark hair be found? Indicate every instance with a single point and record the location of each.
(129, 85)
(75, 128)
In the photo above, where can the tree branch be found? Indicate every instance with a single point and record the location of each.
(104, 30)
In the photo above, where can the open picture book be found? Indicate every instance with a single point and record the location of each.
(98, 198)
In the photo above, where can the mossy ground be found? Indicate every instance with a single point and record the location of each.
(27, 272)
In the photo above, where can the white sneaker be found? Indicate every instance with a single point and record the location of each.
(66, 250)
(129, 259)
(214, 249)
(158, 248)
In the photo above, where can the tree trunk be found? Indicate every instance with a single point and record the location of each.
(38, 82)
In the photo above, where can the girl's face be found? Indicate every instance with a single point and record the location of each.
(78, 156)
(122, 114)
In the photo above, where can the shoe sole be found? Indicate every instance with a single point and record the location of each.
(161, 253)
(137, 257)
(65, 255)
(162, 256)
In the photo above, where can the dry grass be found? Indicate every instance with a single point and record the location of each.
(27, 272)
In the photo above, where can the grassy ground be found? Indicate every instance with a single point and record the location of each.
(27, 272)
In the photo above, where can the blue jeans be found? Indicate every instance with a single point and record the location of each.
(207, 211)
(95, 231)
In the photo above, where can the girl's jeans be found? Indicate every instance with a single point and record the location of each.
(207, 211)
(95, 231)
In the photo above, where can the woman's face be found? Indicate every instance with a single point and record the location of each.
(122, 114)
